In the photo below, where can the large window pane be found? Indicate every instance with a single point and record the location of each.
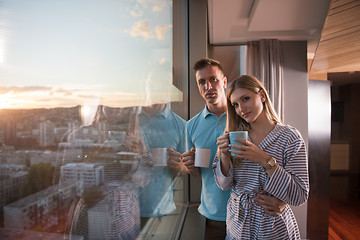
(90, 126)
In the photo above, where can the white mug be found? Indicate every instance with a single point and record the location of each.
(202, 157)
(160, 156)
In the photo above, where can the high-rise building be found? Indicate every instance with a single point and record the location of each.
(72, 130)
(47, 136)
(103, 129)
(10, 132)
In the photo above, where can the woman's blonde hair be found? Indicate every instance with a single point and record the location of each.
(234, 121)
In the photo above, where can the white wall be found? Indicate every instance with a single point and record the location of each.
(229, 57)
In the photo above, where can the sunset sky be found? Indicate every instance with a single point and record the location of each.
(64, 53)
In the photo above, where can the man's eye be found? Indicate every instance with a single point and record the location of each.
(201, 82)
(246, 99)
(213, 79)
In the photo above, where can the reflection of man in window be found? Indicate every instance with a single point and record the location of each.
(163, 130)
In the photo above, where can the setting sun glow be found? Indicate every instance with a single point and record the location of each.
(4, 102)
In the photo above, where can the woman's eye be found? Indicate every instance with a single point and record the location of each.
(235, 105)
(246, 99)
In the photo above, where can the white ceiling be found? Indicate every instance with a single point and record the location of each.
(239, 21)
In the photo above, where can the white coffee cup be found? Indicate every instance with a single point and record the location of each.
(202, 157)
(160, 156)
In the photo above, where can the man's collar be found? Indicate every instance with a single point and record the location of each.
(206, 112)
(164, 113)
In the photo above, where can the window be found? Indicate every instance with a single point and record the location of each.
(91, 100)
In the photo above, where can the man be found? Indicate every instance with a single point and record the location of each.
(162, 129)
(202, 131)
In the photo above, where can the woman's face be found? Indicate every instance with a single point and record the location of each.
(247, 104)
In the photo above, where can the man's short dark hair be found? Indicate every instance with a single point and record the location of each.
(204, 62)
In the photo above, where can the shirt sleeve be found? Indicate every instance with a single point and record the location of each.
(290, 182)
(223, 182)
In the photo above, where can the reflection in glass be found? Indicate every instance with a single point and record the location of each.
(163, 132)
(76, 146)
(119, 177)
(107, 175)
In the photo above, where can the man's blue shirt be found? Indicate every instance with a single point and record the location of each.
(202, 131)
(163, 130)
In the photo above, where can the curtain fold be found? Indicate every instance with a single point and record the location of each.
(264, 61)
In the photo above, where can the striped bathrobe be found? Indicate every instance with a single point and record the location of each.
(289, 183)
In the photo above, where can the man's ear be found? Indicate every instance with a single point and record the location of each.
(225, 82)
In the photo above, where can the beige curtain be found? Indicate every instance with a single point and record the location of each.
(264, 61)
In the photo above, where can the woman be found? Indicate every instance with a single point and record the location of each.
(273, 160)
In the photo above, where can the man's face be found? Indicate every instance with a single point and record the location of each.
(211, 83)
(153, 109)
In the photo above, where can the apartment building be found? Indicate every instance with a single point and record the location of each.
(87, 174)
(42, 208)
(10, 182)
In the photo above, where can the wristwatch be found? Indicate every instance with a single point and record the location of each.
(271, 163)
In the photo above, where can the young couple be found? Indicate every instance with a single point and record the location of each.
(254, 192)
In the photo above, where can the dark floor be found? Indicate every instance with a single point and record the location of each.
(344, 215)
